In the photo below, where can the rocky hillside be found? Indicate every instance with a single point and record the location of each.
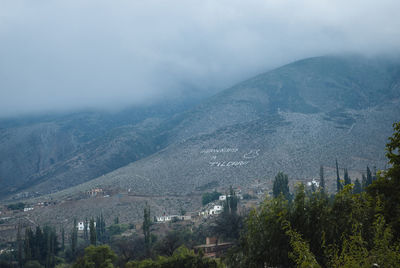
(294, 118)
(291, 119)
(61, 151)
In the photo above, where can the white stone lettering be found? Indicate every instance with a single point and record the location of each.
(222, 150)
(251, 154)
(228, 163)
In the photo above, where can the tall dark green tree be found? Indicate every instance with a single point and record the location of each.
(321, 178)
(28, 244)
(386, 189)
(92, 229)
(339, 185)
(369, 176)
(347, 179)
(146, 226)
(62, 238)
(20, 246)
(74, 238)
(85, 230)
(357, 187)
(101, 228)
(281, 185)
(363, 182)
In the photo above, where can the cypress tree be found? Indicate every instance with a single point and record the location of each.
(369, 176)
(39, 248)
(363, 182)
(85, 230)
(20, 246)
(92, 229)
(146, 226)
(339, 185)
(321, 178)
(357, 187)
(62, 238)
(347, 179)
(28, 241)
(281, 185)
(74, 238)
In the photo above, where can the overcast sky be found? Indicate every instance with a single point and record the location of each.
(73, 54)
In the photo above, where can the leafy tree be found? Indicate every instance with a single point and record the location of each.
(209, 197)
(301, 253)
(182, 257)
(96, 257)
(386, 188)
(265, 242)
(33, 264)
(16, 206)
(281, 185)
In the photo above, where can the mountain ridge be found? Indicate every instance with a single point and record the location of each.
(322, 102)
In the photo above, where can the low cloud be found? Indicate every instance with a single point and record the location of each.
(63, 55)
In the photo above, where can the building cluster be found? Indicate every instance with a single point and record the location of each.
(213, 248)
(214, 210)
(167, 218)
(95, 192)
(81, 226)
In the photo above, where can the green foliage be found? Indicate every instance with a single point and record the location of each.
(321, 178)
(74, 238)
(386, 188)
(182, 257)
(40, 246)
(92, 230)
(281, 186)
(357, 187)
(347, 179)
(33, 264)
(339, 185)
(264, 242)
(209, 197)
(116, 229)
(301, 253)
(16, 206)
(101, 234)
(146, 226)
(248, 197)
(96, 257)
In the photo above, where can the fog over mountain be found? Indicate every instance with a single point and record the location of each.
(66, 55)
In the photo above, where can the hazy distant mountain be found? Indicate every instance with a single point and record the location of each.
(293, 118)
(65, 150)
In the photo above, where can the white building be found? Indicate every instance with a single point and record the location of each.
(81, 226)
(172, 217)
(27, 209)
(313, 182)
(217, 209)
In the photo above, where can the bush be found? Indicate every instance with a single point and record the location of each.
(209, 197)
(16, 206)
